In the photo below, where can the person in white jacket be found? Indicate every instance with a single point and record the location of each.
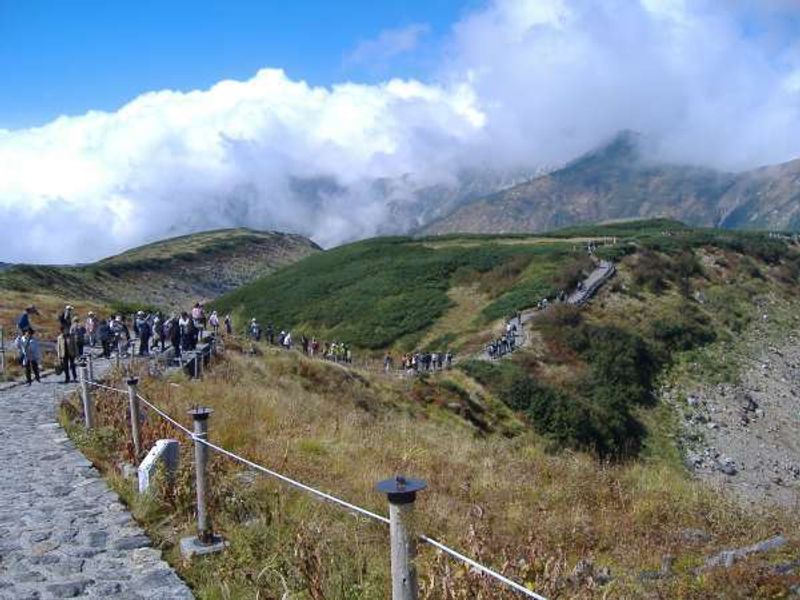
(28, 348)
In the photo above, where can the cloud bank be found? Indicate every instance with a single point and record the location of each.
(520, 85)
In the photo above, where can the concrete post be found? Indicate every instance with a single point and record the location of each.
(200, 416)
(133, 401)
(90, 362)
(2, 351)
(86, 394)
(402, 493)
(196, 364)
(118, 361)
(205, 542)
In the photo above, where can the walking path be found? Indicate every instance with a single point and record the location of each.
(63, 532)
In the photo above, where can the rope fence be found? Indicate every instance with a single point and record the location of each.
(199, 437)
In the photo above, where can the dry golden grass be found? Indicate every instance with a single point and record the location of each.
(502, 499)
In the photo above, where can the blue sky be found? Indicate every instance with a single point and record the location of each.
(294, 121)
(66, 57)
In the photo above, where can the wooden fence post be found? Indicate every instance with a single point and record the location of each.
(86, 394)
(133, 401)
(402, 493)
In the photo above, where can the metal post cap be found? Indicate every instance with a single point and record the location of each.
(200, 413)
(401, 490)
(133, 381)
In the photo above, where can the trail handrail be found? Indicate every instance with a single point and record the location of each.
(325, 496)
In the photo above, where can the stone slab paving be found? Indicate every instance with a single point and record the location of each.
(63, 532)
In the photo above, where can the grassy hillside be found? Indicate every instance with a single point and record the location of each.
(168, 273)
(497, 493)
(587, 378)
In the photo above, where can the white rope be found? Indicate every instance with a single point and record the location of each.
(292, 482)
(166, 417)
(106, 387)
(333, 499)
(485, 570)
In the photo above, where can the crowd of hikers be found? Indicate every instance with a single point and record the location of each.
(334, 351)
(154, 331)
(418, 362)
(506, 342)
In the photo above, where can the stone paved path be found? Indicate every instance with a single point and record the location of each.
(63, 532)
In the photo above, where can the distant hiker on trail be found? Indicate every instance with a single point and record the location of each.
(91, 329)
(228, 325)
(254, 331)
(173, 330)
(158, 331)
(121, 335)
(24, 321)
(78, 332)
(387, 362)
(270, 334)
(65, 319)
(67, 350)
(183, 327)
(106, 337)
(28, 348)
(304, 342)
(448, 359)
(199, 318)
(213, 320)
(145, 332)
(287, 340)
(280, 338)
(314, 347)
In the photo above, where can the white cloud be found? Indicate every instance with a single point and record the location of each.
(523, 83)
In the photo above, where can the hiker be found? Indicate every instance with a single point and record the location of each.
(213, 320)
(67, 350)
(314, 347)
(304, 342)
(105, 336)
(24, 321)
(255, 331)
(91, 329)
(387, 362)
(193, 333)
(145, 331)
(228, 325)
(174, 332)
(448, 359)
(280, 337)
(270, 334)
(158, 331)
(287, 340)
(78, 332)
(28, 348)
(121, 335)
(183, 328)
(65, 319)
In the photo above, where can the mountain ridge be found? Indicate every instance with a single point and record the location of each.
(618, 181)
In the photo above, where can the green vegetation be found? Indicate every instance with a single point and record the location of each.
(375, 292)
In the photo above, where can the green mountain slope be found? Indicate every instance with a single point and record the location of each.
(447, 291)
(169, 273)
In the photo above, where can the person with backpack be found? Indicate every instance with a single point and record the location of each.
(106, 337)
(228, 325)
(255, 331)
(78, 332)
(67, 350)
(145, 332)
(24, 320)
(91, 329)
(28, 349)
(213, 321)
(65, 319)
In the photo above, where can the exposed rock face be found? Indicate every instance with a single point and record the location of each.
(615, 182)
(746, 437)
